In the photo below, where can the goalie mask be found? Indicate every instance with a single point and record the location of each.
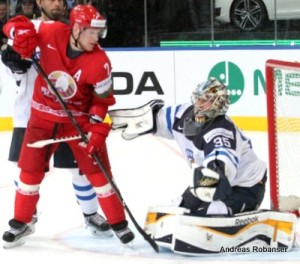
(210, 99)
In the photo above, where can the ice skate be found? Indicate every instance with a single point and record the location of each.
(98, 225)
(17, 234)
(123, 232)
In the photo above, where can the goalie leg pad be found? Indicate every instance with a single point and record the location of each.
(256, 231)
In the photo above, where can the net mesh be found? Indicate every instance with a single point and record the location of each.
(287, 127)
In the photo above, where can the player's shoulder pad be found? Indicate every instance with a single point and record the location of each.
(182, 109)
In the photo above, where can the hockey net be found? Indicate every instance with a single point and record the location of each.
(283, 112)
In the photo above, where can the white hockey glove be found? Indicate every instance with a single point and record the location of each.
(136, 121)
(210, 185)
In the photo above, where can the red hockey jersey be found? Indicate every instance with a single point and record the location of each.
(84, 82)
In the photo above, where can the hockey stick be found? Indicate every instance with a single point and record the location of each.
(94, 156)
(45, 142)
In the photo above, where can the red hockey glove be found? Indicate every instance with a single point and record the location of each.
(96, 137)
(24, 35)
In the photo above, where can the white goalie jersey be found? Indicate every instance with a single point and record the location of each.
(219, 139)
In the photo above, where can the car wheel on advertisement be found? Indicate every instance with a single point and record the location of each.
(248, 15)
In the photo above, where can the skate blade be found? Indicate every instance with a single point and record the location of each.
(129, 245)
(101, 234)
(14, 244)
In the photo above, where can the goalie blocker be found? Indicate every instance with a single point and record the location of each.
(257, 231)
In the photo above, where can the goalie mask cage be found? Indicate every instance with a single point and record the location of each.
(283, 112)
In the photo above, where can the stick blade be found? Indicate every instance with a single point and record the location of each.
(43, 143)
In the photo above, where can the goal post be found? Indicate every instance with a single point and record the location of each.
(283, 115)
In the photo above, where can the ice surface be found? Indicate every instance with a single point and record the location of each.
(149, 171)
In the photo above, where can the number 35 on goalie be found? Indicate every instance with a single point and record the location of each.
(258, 231)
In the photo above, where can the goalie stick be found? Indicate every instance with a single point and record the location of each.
(40, 70)
(45, 142)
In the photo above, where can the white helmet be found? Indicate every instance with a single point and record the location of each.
(210, 99)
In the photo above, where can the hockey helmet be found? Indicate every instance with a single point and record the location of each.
(210, 99)
(87, 16)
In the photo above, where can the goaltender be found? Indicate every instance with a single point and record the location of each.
(219, 209)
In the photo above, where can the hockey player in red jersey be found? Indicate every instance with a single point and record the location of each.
(25, 74)
(81, 73)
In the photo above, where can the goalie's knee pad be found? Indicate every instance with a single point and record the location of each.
(198, 207)
(193, 203)
(217, 208)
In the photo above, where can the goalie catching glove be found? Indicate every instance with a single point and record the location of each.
(21, 32)
(136, 121)
(210, 185)
(96, 136)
